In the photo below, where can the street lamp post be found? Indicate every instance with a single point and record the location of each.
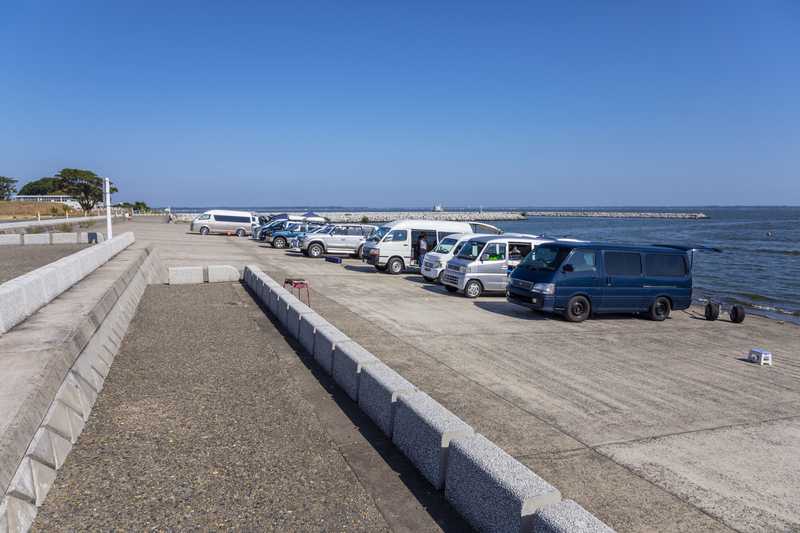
(107, 187)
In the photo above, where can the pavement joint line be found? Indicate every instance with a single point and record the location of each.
(323, 297)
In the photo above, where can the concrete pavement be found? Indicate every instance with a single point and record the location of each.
(209, 419)
(640, 422)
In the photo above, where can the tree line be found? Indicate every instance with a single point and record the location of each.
(83, 185)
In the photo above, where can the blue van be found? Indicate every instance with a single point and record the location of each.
(579, 279)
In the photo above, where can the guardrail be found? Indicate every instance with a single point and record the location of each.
(493, 491)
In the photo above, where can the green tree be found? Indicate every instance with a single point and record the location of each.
(83, 185)
(8, 186)
(41, 186)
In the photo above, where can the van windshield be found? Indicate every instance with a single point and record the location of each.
(471, 250)
(445, 246)
(379, 233)
(545, 258)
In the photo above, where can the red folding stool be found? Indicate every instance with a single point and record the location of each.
(298, 284)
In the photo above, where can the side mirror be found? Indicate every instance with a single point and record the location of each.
(484, 257)
(568, 268)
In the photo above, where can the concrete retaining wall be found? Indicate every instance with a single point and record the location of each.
(53, 371)
(201, 274)
(24, 295)
(491, 489)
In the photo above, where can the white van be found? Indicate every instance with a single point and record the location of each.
(223, 221)
(435, 262)
(393, 247)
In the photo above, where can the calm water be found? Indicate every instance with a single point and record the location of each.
(758, 268)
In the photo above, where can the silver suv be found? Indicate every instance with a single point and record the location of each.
(336, 239)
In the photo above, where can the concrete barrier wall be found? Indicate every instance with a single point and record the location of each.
(56, 368)
(20, 227)
(491, 489)
(24, 295)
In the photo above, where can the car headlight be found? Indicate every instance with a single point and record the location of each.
(438, 264)
(374, 251)
(462, 269)
(545, 288)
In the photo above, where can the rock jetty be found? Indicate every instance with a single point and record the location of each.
(616, 214)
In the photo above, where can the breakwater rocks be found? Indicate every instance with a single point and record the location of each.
(464, 216)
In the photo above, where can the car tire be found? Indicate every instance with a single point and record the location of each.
(737, 314)
(395, 266)
(578, 309)
(279, 242)
(240, 232)
(359, 252)
(316, 250)
(204, 231)
(660, 309)
(712, 311)
(450, 288)
(439, 278)
(381, 268)
(473, 288)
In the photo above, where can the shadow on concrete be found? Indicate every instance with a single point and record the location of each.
(418, 279)
(428, 497)
(509, 309)
(360, 268)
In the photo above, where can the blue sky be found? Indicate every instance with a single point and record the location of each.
(407, 103)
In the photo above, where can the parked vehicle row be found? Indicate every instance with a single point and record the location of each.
(572, 278)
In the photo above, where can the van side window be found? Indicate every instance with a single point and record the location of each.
(496, 251)
(397, 235)
(340, 230)
(623, 264)
(355, 230)
(665, 265)
(583, 261)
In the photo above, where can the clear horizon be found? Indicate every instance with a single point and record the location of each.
(574, 105)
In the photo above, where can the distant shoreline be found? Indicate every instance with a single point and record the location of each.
(385, 216)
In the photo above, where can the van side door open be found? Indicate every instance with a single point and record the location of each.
(623, 282)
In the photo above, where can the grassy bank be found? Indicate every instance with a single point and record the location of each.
(27, 210)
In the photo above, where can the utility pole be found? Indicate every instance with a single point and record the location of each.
(107, 187)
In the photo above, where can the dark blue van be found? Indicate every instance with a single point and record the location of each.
(579, 279)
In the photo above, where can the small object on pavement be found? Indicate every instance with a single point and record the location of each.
(760, 356)
(333, 259)
(298, 284)
(712, 311)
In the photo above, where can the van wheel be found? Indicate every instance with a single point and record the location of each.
(660, 309)
(395, 266)
(359, 252)
(204, 231)
(279, 242)
(240, 232)
(450, 288)
(578, 309)
(315, 250)
(473, 288)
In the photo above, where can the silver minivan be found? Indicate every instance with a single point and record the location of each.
(483, 263)
(223, 221)
(434, 263)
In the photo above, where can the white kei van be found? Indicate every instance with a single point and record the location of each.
(223, 221)
(393, 247)
(434, 262)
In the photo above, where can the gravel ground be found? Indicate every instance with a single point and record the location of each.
(201, 426)
(18, 260)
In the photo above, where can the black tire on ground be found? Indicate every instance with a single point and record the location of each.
(578, 309)
(204, 231)
(660, 309)
(279, 242)
(240, 232)
(473, 288)
(712, 311)
(450, 288)
(395, 266)
(381, 268)
(737, 314)
(439, 277)
(358, 252)
(315, 250)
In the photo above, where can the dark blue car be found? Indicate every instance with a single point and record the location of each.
(581, 279)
